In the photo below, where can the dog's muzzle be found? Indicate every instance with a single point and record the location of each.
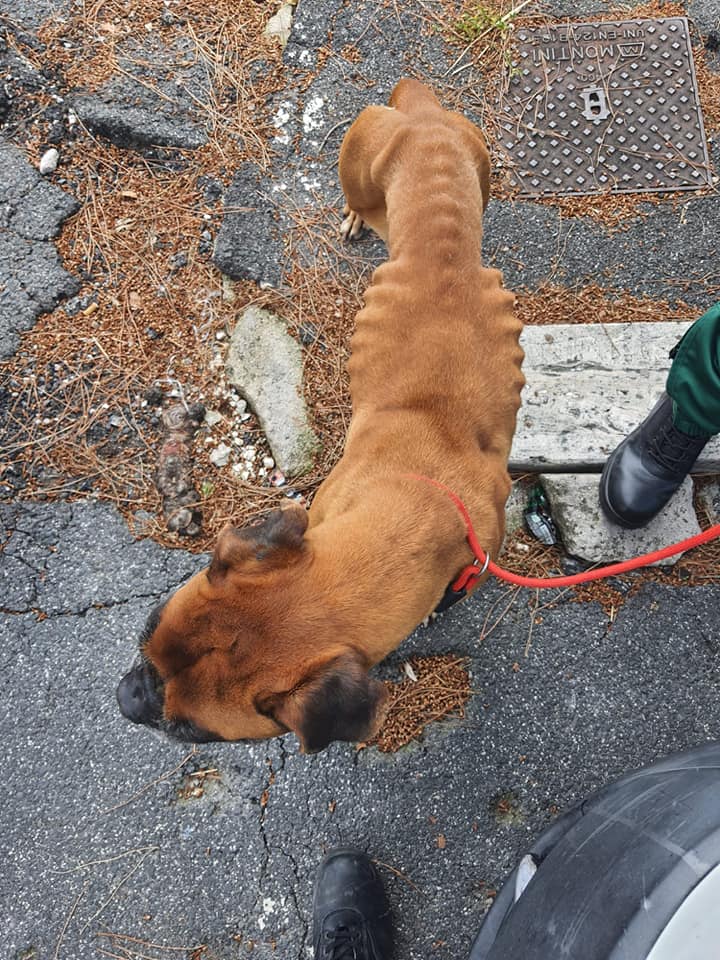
(138, 696)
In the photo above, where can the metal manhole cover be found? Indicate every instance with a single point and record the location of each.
(598, 107)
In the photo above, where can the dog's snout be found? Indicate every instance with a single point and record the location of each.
(137, 697)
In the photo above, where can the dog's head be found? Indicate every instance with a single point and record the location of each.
(242, 651)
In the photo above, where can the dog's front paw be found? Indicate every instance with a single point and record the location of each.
(352, 225)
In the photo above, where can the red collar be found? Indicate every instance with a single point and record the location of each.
(469, 575)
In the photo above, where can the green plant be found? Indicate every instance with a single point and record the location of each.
(480, 20)
(513, 70)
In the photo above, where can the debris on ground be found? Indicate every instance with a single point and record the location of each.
(440, 689)
(175, 467)
(538, 518)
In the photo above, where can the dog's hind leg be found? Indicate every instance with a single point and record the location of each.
(372, 133)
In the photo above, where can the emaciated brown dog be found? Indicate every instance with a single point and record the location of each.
(280, 631)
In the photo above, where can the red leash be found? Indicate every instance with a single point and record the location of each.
(469, 575)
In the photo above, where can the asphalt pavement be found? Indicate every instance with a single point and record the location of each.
(101, 830)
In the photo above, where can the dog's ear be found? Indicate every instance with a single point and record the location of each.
(335, 700)
(279, 534)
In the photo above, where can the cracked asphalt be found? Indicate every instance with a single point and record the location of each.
(108, 830)
(33, 279)
(101, 830)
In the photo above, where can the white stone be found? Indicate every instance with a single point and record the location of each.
(588, 386)
(268, 463)
(265, 364)
(49, 161)
(212, 417)
(585, 532)
(220, 455)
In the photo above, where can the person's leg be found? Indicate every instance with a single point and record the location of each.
(694, 378)
(646, 469)
(351, 914)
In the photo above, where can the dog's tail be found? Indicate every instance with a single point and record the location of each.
(411, 96)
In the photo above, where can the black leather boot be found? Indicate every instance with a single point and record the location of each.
(646, 469)
(351, 914)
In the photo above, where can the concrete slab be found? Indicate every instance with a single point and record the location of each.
(588, 386)
(586, 533)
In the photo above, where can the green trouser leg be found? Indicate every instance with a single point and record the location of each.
(694, 378)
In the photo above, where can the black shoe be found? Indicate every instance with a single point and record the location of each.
(351, 914)
(646, 469)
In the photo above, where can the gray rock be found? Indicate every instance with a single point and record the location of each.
(30, 206)
(265, 364)
(588, 386)
(572, 10)
(212, 417)
(249, 245)
(75, 304)
(586, 533)
(32, 279)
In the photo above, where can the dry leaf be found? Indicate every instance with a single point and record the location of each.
(279, 25)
